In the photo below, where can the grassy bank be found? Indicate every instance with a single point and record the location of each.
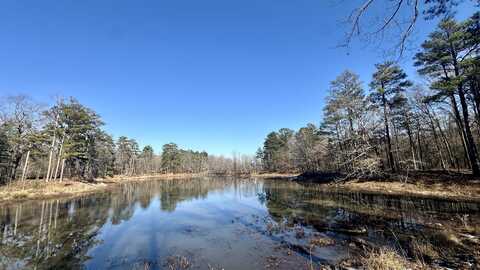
(38, 189)
(468, 191)
(441, 185)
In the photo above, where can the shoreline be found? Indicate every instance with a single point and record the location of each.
(40, 190)
(468, 191)
(32, 190)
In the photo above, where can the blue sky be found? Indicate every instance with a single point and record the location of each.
(213, 75)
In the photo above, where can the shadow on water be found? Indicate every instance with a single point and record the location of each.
(215, 223)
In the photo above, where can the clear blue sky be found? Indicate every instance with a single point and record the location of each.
(213, 75)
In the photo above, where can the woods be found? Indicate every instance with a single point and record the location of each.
(67, 140)
(398, 124)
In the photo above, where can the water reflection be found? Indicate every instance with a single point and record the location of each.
(214, 223)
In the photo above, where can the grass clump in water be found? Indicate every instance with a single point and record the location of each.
(178, 263)
(384, 259)
(320, 241)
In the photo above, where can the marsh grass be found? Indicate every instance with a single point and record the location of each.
(384, 259)
(39, 189)
(178, 263)
(469, 190)
(321, 242)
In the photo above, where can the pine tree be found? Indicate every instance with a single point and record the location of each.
(4, 156)
(388, 81)
(171, 158)
(271, 151)
(442, 58)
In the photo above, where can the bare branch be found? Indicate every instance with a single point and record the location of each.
(407, 33)
(355, 17)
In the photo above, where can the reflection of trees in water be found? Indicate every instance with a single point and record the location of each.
(389, 220)
(39, 235)
(290, 197)
(172, 192)
(58, 234)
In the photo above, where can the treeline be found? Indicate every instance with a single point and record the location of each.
(398, 125)
(67, 140)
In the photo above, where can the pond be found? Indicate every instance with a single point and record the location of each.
(226, 223)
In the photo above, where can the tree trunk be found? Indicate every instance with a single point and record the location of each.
(61, 171)
(458, 120)
(58, 159)
(397, 143)
(51, 149)
(472, 149)
(475, 89)
(387, 135)
(16, 164)
(412, 144)
(25, 167)
(445, 141)
(420, 152)
(437, 143)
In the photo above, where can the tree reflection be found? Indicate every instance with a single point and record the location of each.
(58, 234)
(375, 219)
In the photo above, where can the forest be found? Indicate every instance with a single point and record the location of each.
(67, 140)
(396, 125)
(385, 177)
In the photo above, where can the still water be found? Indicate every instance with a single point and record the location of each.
(219, 223)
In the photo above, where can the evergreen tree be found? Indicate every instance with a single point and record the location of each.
(4, 156)
(271, 150)
(308, 148)
(105, 147)
(347, 98)
(79, 129)
(147, 156)
(443, 58)
(388, 81)
(171, 158)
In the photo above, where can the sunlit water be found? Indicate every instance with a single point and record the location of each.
(216, 223)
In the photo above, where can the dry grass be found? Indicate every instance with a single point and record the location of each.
(274, 175)
(384, 259)
(178, 263)
(465, 191)
(39, 189)
(36, 189)
(434, 184)
(319, 241)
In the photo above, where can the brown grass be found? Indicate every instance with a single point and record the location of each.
(39, 189)
(384, 259)
(274, 175)
(433, 184)
(469, 191)
(178, 263)
(319, 241)
(423, 249)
